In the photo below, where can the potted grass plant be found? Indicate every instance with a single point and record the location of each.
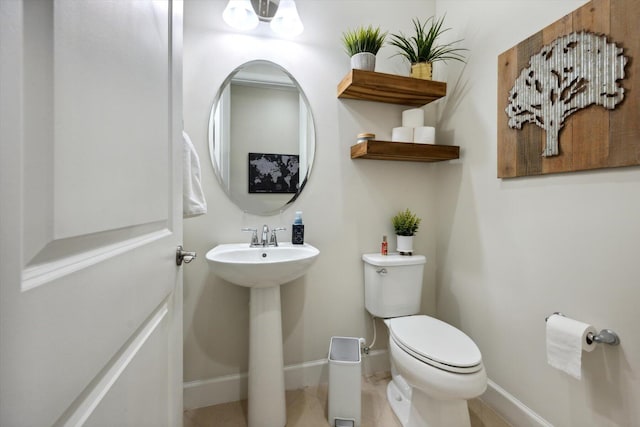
(422, 49)
(405, 224)
(362, 44)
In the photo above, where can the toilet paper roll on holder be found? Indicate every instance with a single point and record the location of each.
(606, 336)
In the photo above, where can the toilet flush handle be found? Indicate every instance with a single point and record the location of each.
(381, 271)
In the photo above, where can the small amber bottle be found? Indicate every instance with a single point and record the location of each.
(384, 250)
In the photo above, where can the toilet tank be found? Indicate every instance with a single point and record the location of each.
(393, 284)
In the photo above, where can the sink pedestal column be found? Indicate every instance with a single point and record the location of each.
(266, 370)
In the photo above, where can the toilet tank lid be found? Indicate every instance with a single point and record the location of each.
(393, 259)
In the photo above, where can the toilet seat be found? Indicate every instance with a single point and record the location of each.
(436, 343)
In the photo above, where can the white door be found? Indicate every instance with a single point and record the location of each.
(90, 294)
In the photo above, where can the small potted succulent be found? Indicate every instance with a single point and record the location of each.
(362, 45)
(422, 49)
(405, 223)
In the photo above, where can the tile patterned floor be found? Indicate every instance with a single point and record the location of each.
(308, 408)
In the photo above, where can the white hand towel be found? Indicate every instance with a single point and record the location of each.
(193, 202)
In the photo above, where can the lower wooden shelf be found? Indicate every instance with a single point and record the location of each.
(404, 151)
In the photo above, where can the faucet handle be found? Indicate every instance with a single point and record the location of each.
(273, 241)
(254, 236)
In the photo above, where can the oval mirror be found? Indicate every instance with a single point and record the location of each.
(261, 137)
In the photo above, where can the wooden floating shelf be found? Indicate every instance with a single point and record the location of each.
(390, 88)
(386, 150)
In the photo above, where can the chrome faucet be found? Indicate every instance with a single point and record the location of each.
(266, 240)
(265, 235)
(254, 236)
(274, 239)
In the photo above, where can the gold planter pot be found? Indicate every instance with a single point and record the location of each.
(422, 70)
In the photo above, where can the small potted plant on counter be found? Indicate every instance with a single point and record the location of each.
(422, 49)
(405, 223)
(362, 45)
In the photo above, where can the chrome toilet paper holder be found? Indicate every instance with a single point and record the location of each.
(605, 336)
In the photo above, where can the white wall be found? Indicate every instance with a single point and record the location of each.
(347, 204)
(511, 252)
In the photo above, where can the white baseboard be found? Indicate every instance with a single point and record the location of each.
(231, 388)
(201, 393)
(510, 408)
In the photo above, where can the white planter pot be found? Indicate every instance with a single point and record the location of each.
(363, 61)
(404, 244)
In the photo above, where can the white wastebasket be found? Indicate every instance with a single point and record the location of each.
(345, 371)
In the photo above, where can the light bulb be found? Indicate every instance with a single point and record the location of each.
(240, 14)
(287, 21)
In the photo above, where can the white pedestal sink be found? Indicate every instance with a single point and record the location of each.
(263, 269)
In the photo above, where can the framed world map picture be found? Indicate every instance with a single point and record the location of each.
(274, 173)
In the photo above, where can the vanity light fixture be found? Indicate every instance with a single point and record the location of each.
(281, 14)
(240, 14)
(287, 22)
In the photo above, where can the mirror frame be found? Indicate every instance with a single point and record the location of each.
(212, 142)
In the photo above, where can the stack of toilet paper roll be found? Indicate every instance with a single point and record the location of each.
(413, 128)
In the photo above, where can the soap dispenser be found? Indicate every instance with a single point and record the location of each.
(297, 230)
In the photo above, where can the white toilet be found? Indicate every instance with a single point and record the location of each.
(435, 367)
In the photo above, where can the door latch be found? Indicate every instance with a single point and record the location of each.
(182, 255)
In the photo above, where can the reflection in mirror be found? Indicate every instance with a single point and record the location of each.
(261, 138)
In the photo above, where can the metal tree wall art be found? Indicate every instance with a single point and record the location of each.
(570, 73)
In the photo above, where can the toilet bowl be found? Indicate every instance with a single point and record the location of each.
(435, 367)
(440, 364)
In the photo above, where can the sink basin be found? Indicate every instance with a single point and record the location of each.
(261, 267)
